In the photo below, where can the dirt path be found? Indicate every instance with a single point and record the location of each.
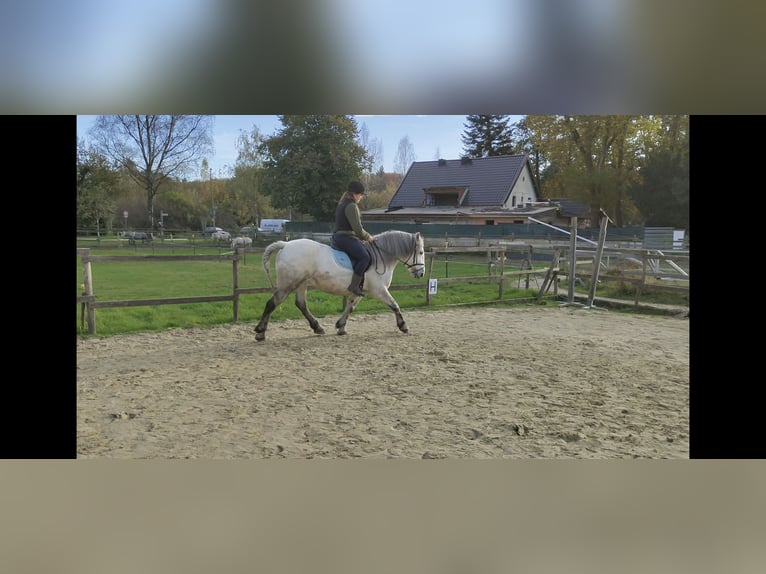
(525, 382)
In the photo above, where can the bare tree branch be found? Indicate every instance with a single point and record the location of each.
(153, 148)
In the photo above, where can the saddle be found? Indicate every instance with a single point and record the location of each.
(342, 258)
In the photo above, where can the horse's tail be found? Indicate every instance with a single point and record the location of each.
(276, 246)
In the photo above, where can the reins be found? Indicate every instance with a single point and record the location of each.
(378, 256)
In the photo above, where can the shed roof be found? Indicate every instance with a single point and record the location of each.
(569, 208)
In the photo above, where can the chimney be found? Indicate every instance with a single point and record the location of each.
(442, 162)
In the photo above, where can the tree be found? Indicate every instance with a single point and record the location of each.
(662, 192)
(309, 162)
(405, 155)
(96, 188)
(486, 136)
(248, 201)
(523, 144)
(591, 159)
(374, 149)
(206, 176)
(153, 148)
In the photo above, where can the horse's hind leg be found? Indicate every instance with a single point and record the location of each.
(300, 302)
(274, 302)
(340, 324)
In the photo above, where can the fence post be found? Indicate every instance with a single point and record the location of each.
(530, 255)
(82, 311)
(572, 260)
(551, 275)
(235, 272)
(597, 261)
(501, 255)
(87, 279)
(644, 256)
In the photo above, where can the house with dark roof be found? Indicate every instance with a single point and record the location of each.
(481, 191)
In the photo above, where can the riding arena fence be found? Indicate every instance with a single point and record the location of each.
(640, 271)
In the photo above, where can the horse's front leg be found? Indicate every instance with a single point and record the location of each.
(385, 297)
(340, 324)
(300, 302)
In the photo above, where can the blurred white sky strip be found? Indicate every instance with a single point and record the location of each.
(382, 57)
(90, 52)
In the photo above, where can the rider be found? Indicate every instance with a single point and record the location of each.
(348, 233)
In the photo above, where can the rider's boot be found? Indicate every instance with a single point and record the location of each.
(354, 286)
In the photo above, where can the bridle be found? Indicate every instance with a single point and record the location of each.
(412, 256)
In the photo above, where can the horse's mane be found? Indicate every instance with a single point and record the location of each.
(395, 242)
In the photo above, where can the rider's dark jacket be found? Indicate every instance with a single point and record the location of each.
(348, 220)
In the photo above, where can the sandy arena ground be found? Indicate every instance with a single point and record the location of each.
(515, 383)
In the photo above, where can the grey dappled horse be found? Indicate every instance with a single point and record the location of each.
(304, 263)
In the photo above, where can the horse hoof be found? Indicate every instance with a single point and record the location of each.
(341, 332)
(319, 331)
(404, 330)
(260, 336)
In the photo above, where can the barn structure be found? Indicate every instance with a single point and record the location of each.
(480, 191)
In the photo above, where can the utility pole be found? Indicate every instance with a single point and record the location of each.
(212, 196)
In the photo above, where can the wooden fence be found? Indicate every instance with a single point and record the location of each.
(89, 304)
(631, 267)
(634, 268)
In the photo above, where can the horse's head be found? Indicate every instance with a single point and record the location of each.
(416, 262)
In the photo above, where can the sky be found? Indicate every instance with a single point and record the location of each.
(428, 134)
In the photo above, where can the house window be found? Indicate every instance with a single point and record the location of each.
(447, 200)
(513, 201)
(445, 196)
(489, 222)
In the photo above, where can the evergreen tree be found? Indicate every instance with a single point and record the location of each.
(486, 136)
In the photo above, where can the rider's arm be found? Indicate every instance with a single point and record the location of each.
(355, 220)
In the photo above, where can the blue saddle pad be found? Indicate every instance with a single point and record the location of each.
(342, 258)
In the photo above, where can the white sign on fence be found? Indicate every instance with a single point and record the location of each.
(432, 286)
